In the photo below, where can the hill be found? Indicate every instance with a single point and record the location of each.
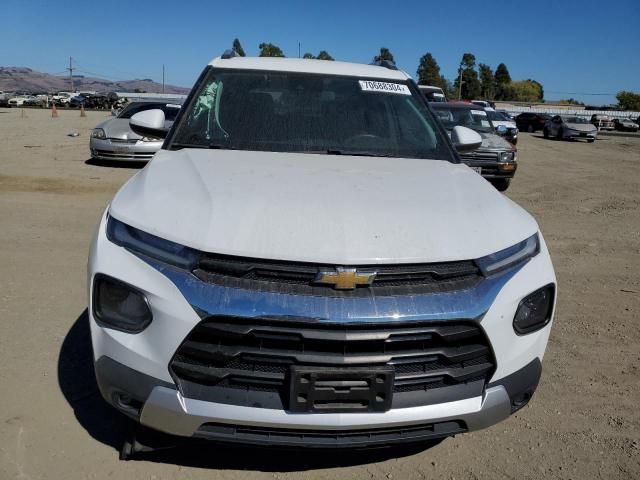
(19, 79)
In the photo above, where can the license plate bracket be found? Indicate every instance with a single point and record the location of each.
(478, 170)
(340, 390)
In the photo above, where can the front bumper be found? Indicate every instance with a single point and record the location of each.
(577, 135)
(106, 149)
(144, 389)
(160, 406)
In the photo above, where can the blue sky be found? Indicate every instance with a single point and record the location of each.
(571, 47)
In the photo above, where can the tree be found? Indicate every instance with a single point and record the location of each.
(487, 82)
(502, 80)
(467, 72)
(384, 54)
(523, 91)
(429, 71)
(270, 50)
(540, 88)
(628, 100)
(238, 48)
(324, 55)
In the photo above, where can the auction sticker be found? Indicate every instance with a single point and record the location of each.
(384, 87)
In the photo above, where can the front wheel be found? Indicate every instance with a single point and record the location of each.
(530, 128)
(591, 140)
(545, 132)
(560, 135)
(501, 184)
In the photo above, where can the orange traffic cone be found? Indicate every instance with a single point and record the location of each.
(82, 114)
(54, 111)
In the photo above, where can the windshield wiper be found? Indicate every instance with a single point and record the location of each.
(214, 146)
(356, 153)
(188, 145)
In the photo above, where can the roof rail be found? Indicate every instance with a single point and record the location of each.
(385, 63)
(231, 53)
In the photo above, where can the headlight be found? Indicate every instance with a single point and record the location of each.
(507, 156)
(534, 311)
(509, 257)
(148, 245)
(119, 306)
(98, 133)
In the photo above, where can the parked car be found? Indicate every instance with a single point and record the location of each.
(570, 127)
(625, 125)
(498, 119)
(603, 122)
(4, 98)
(40, 100)
(496, 158)
(18, 100)
(114, 140)
(279, 277)
(433, 94)
(531, 122)
(62, 99)
(507, 114)
(484, 103)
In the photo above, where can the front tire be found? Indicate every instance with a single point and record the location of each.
(545, 132)
(530, 128)
(501, 184)
(560, 135)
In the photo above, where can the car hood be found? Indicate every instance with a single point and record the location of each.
(492, 141)
(320, 208)
(506, 123)
(580, 127)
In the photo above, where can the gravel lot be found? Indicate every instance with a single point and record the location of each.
(584, 421)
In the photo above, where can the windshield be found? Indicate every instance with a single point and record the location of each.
(574, 119)
(466, 117)
(313, 113)
(170, 110)
(497, 116)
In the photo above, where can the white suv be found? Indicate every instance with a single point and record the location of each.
(306, 261)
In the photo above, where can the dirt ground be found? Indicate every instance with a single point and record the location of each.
(583, 423)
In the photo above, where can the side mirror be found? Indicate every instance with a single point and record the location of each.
(464, 139)
(149, 123)
(501, 130)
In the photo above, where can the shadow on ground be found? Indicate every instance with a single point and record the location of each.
(78, 385)
(132, 164)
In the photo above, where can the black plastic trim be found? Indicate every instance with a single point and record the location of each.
(115, 380)
(521, 384)
(284, 437)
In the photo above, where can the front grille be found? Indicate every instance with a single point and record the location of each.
(329, 438)
(299, 277)
(232, 358)
(483, 156)
(123, 140)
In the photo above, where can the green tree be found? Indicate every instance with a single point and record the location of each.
(270, 50)
(523, 91)
(308, 56)
(502, 80)
(324, 55)
(467, 72)
(628, 100)
(384, 54)
(487, 82)
(238, 48)
(429, 71)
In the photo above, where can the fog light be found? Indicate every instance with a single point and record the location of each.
(534, 311)
(119, 306)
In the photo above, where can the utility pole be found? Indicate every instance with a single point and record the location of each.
(460, 84)
(70, 68)
(298, 49)
(163, 78)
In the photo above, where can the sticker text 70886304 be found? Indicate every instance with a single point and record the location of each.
(384, 87)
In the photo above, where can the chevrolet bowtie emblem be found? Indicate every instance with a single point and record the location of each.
(345, 278)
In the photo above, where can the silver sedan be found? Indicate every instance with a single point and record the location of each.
(114, 140)
(570, 126)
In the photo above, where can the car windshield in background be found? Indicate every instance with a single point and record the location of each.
(170, 110)
(313, 113)
(575, 120)
(464, 117)
(497, 116)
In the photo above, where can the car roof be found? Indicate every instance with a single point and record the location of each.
(309, 66)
